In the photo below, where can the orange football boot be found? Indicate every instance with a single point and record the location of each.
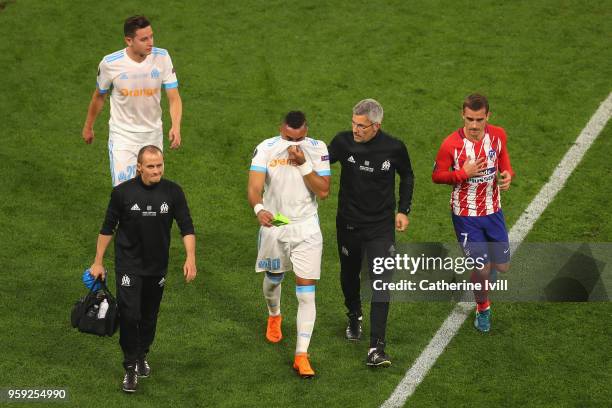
(302, 365)
(273, 332)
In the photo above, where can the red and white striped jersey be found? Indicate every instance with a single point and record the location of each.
(474, 196)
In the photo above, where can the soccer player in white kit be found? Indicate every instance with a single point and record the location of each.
(287, 175)
(134, 77)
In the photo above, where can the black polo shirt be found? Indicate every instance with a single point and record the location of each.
(143, 216)
(367, 179)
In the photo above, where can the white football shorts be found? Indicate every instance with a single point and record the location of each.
(123, 152)
(297, 246)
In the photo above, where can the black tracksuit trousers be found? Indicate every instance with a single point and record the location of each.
(354, 244)
(138, 298)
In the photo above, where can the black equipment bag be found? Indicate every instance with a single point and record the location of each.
(84, 314)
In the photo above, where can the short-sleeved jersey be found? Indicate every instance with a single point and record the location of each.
(285, 191)
(473, 196)
(135, 90)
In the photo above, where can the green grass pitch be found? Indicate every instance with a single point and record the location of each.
(545, 66)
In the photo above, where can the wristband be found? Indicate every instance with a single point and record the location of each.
(258, 207)
(305, 168)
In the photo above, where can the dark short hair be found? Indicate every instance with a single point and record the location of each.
(134, 23)
(148, 149)
(295, 119)
(476, 102)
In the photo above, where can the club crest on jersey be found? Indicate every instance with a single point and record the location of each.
(155, 73)
(492, 154)
(163, 209)
(125, 281)
(386, 165)
(123, 76)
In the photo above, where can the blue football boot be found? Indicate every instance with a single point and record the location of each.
(482, 322)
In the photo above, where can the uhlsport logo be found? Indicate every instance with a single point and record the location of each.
(125, 281)
(163, 209)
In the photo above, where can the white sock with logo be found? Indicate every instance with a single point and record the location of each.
(272, 292)
(306, 315)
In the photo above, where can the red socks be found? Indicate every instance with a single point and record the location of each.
(482, 306)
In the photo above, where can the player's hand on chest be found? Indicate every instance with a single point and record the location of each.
(489, 157)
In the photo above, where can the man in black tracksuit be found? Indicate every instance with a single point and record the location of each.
(367, 216)
(144, 209)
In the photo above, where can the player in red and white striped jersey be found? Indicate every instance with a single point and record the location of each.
(470, 160)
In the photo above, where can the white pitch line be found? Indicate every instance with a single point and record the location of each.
(415, 375)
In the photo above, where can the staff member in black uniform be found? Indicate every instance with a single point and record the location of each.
(367, 215)
(144, 207)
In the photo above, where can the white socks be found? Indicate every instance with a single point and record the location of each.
(272, 292)
(307, 311)
(306, 315)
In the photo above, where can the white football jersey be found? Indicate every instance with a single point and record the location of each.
(135, 90)
(285, 191)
